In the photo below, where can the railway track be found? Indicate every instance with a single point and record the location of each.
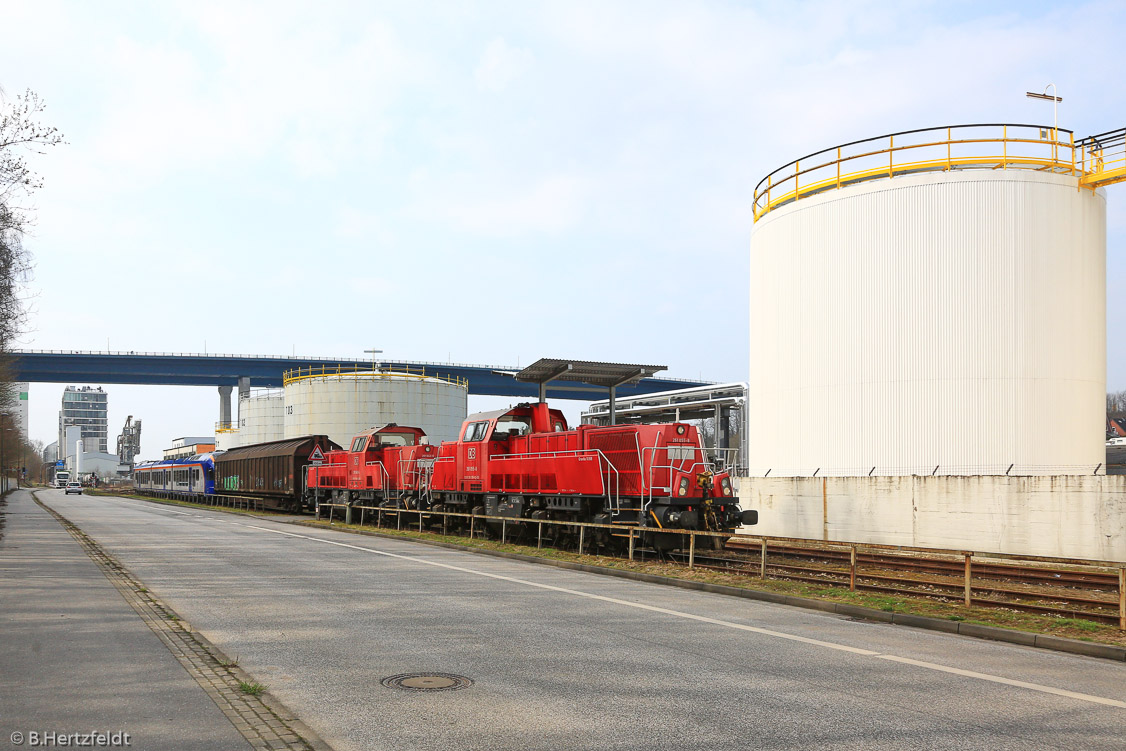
(1057, 592)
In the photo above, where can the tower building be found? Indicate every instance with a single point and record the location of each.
(86, 408)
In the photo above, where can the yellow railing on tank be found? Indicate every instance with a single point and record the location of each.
(226, 427)
(956, 147)
(361, 372)
(1102, 158)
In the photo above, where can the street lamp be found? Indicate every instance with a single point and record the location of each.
(373, 353)
(1055, 100)
(2, 463)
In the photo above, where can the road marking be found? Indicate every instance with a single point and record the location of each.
(718, 622)
(141, 504)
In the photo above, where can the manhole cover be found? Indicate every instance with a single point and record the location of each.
(427, 682)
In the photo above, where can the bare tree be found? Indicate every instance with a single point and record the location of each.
(21, 136)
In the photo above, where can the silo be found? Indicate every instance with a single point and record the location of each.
(341, 403)
(260, 416)
(935, 304)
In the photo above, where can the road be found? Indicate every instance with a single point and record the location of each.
(569, 660)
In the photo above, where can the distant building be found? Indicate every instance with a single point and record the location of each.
(129, 442)
(189, 446)
(51, 453)
(19, 407)
(72, 434)
(97, 463)
(88, 408)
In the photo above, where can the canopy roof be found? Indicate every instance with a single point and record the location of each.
(605, 374)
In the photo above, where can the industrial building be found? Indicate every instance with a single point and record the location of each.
(928, 336)
(187, 446)
(86, 407)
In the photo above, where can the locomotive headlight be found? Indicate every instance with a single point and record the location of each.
(725, 483)
(680, 429)
(683, 489)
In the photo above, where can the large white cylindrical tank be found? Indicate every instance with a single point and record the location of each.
(945, 323)
(340, 405)
(260, 416)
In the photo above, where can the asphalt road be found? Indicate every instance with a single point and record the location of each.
(567, 660)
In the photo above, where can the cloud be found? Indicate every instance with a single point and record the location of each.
(484, 205)
(500, 65)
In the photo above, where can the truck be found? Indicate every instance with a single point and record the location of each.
(62, 477)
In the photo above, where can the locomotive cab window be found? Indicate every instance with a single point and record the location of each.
(510, 426)
(395, 439)
(358, 444)
(475, 431)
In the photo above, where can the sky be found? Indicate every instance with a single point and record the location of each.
(487, 182)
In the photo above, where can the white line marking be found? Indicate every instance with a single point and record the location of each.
(717, 622)
(1006, 681)
(141, 504)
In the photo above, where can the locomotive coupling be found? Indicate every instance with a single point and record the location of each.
(704, 480)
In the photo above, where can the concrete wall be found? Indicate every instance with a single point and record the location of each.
(1069, 516)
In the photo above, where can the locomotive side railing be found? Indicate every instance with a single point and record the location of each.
(427, 494)
(384, 476)
(417, 472)
(604, 471)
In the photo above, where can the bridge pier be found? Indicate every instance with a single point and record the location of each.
(225, 405)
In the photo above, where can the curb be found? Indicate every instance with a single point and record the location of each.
(972, 630)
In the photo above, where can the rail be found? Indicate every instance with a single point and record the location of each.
(226, 427)
(1096, 161)
(365, 373)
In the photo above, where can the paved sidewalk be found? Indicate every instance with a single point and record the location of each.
(76, 658)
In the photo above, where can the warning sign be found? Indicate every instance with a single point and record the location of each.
(317, 456)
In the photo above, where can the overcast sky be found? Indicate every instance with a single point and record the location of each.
(482, 182)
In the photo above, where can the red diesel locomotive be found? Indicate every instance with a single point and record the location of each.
(386, 466)
(525, 463)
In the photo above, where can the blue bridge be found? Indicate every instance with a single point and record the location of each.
(244, 371)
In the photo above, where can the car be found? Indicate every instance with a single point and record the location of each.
(73, 487)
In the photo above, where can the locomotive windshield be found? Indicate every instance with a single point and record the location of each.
(395, 439)
(358, 443)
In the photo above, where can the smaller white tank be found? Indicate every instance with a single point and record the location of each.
(260, 416)
(226, 437)
(340, 403)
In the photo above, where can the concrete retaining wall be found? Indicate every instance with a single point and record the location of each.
(1071, 516)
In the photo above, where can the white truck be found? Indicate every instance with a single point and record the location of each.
(62, 477)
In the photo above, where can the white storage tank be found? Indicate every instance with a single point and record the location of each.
(340, 404)
(946, 317)
(260, 416)
(226, 437)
